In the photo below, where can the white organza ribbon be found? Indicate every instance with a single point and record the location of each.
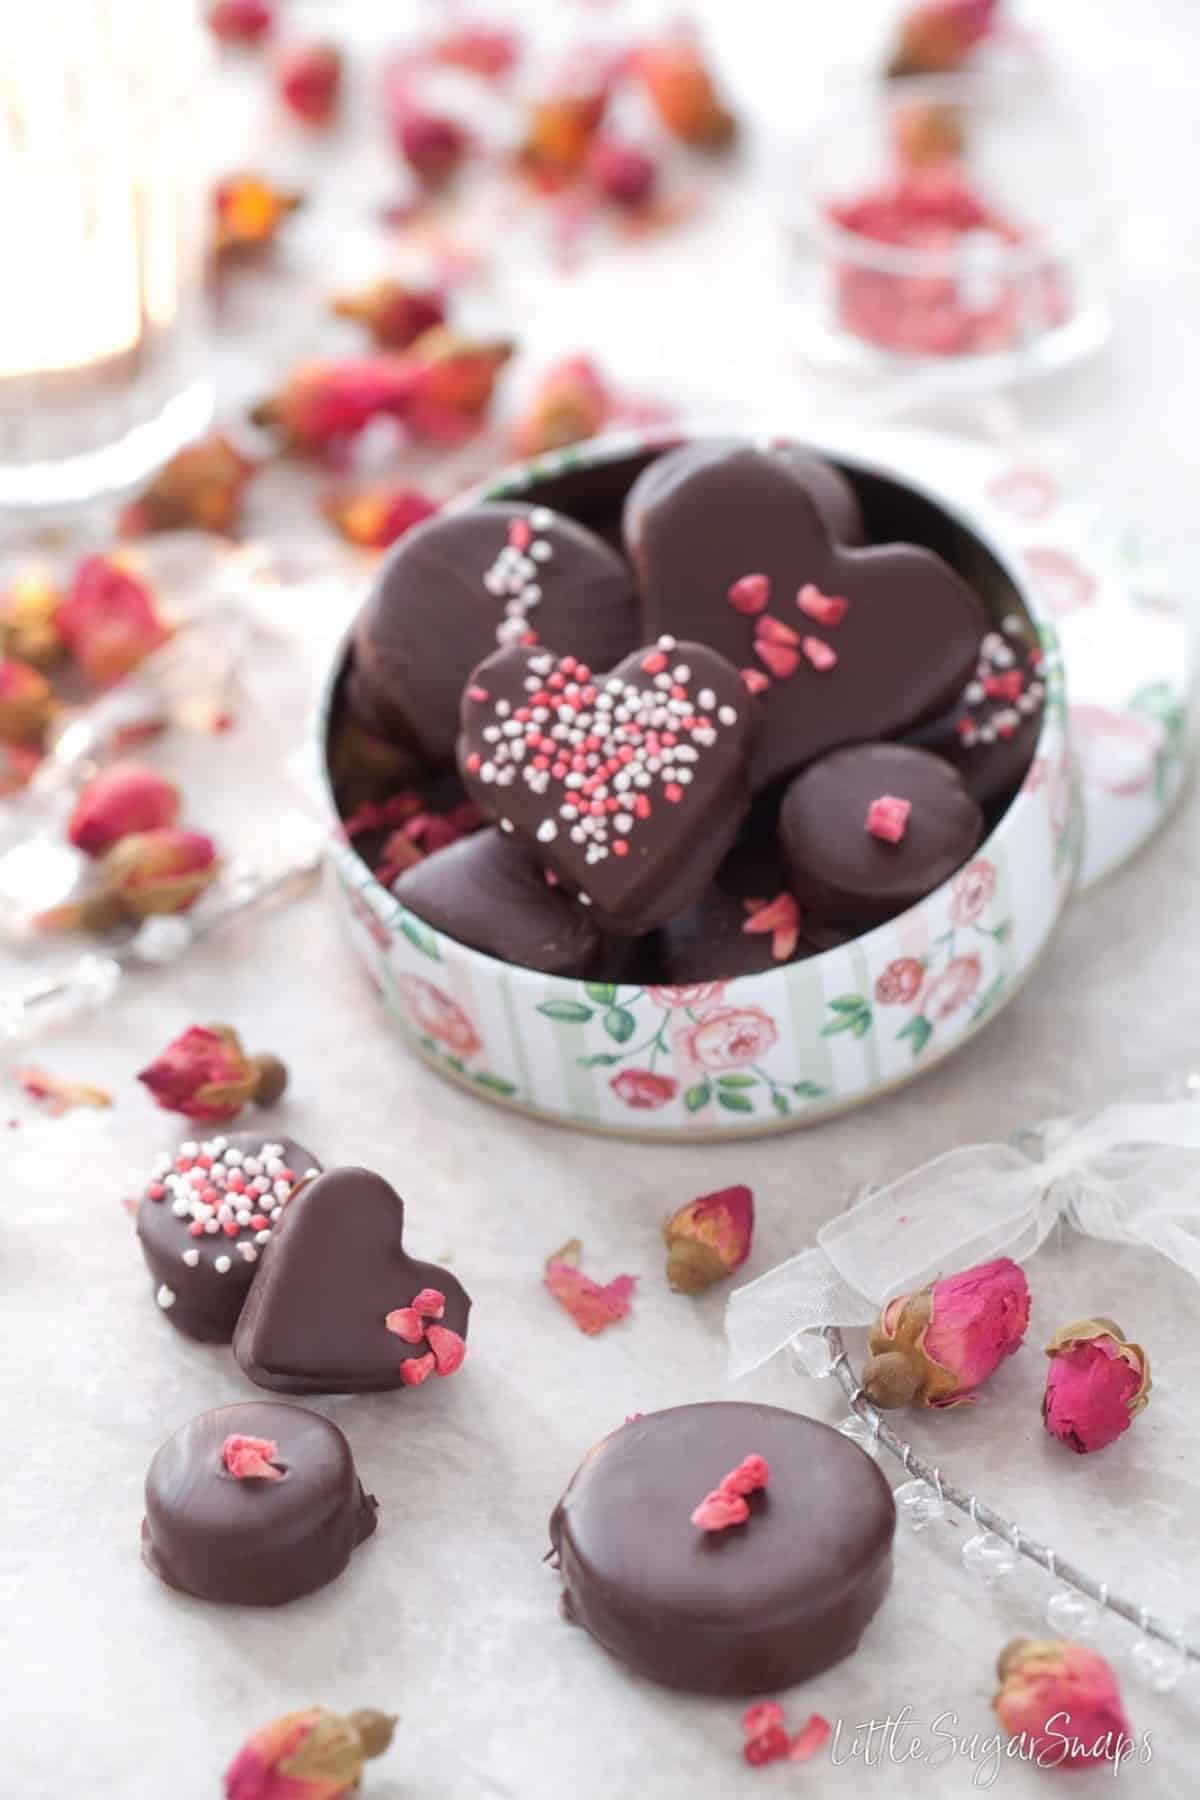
(1129, 1174)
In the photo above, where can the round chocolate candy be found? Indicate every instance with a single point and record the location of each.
(747, 1609)
(991, 731)
(870, 830)
(204, 1218)
(461, 585)
(254, 1505)
(491, 892)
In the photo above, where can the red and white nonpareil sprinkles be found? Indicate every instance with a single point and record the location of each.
(515, 575)
(223, 1192)
(618, 747)
(1002, 695)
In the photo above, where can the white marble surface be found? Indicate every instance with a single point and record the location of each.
(115, 1687)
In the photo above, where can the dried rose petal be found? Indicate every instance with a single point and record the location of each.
(780, 917)
(572, 401)
(241, 21)
(416, 1369)
(432, 144)
(310, 1755)
(808, 1740)
(490, 51)
(200, 489)
(621, 172)
(719, 1510)
(681, 90)
(561, 127)
(324, 402)
(375, 517)
(1096, 1384)
(451, 381)
(126, 798)
(592, 1306)
(449, 1350)
(935, 1346)
(430, 1303)
(395, 315)
(57, 1096)
(937, 36)
(407, 1324)
(707, 1239)
(248, 211)
(251, 1458)
(751, 1474)
(1062, 1701)
(109, 620)
(309, 78)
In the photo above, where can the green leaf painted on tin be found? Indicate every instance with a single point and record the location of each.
(697, 1097)
(918, 1031)
(495, 1084)
(602, 992)
(421, 938)
(781, 1103)
(738, 1103)
(620, 1024)
(737, 1081)
(603, 1059)
(567, 1012)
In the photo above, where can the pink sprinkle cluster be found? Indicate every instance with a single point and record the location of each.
(887, 818)
(618, 747)
(1001, 695)
(220, 1190)
(778, 647)
(767, 1739)
(726, 1505)
(446, 1351)
(251, 1458)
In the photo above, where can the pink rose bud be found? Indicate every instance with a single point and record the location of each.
(241, 21)
(205, 1074)
(310, 79)
(432, 144)
(621, 172)
(1063, 1702)
(934, 1346)
(450, 383)
(682, 92)
(109, 620)
(310, 1755)
(127, 798)
(163, 871)
(1096, 1384)
(395, 315)
(26, 702)
(322, 402)
(939, 35)
(27, 627)
(570, 402)
(707, 1239)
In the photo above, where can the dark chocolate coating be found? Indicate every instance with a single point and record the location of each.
(850, 878)
(314, 1322)
(905, 648)
(748, 1610)
(254, 1542)
(430, 616)
(827, 487)
(208, 1301)
(490, 892)
(709, 941)
(650, 864)
(988, 737)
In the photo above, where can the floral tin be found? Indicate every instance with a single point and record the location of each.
(790, 1046)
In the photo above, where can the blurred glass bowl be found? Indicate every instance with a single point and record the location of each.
(951, 224)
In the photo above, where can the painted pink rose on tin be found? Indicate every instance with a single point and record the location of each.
(951, 990)
(438, 1016)
(730, 1037)
(643, 1090)
(974, 888)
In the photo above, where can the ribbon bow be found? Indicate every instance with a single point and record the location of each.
(1129, 1174)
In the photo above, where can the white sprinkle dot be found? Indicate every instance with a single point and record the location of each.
(191, 1258)
(165, 1297)
(223, 1264)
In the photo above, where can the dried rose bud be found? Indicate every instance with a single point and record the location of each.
(708, 1239)
(570, 402)
(27, 628)
(109, 620)
(1096, 1384)
(241, 21)
(248, 211)
(934, 1346)
(322, 402)
(375, 517)
(18, 763)
(622, 172)
(927, 134)
(682, 91)
(939, 35)
(450, 385)
(310, 1755)
(126, 798)
(489, 51)
(430, 143)
(200, 489)
(163, 871)
(1062, 1701)
(561, 128)
(205, 1075)
(26, 702)
(309, 79)
(395, 315)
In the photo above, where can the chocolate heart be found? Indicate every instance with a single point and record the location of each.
(629, 786)
(826, 486)
(327, 1313)
(843, 644)
(461, 584)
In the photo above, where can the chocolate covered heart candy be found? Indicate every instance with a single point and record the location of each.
(465, 582)
(827, 487)
(843, 644)
(630, 786)
(339, 1307)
